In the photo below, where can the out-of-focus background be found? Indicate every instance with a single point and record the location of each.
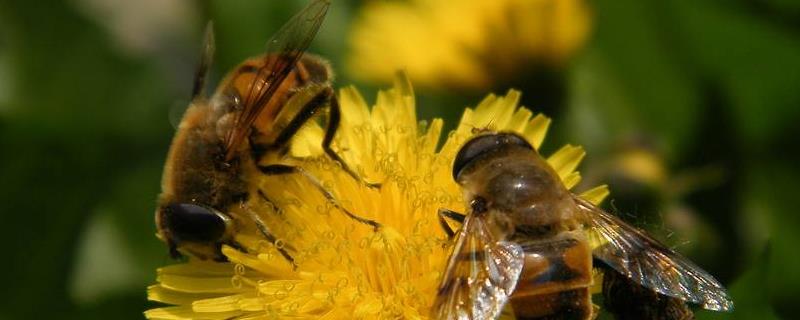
(688, 109)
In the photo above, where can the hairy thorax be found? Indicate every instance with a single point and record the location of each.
(523, 187)
(197, 171)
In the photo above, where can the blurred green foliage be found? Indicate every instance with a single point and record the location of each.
(85, 123)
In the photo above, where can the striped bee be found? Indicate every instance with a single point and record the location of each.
(218, 150)
(526, 241)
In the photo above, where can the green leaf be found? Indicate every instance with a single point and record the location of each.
(661, 95)
(755, 59)
(770, 214)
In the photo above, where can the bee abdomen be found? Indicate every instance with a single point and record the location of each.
(574, 304)
(555, 279)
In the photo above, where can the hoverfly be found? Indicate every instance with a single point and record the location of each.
(221, 141)
(526, 241)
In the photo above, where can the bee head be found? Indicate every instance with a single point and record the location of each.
(193, 228)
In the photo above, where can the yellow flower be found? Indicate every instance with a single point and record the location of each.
(641, 165)
(346, 269)
(465, 44)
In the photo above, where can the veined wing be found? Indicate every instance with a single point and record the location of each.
(201, 74)
(644, 260)
(283, 50)
(480, 276)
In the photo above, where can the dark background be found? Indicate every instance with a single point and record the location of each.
(90, 90)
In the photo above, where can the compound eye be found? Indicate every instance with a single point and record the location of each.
(484, 144)
(193, 223)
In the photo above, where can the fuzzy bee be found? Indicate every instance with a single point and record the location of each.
(218, 150)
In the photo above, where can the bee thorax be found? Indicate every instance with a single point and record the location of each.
(530, 194)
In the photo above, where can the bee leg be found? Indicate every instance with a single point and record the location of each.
(219, 256)
(300, 115)
(280, 169)
(447, 213)
(334, 117)
(269, 202)
(262, 227)
(173, 251)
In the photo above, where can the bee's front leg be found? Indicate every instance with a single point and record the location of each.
(454, 215)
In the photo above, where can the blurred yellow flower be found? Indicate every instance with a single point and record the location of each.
(641, 165)
(345, 269)
(465, 44)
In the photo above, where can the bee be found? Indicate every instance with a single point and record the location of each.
(526, 241)
(221, 143)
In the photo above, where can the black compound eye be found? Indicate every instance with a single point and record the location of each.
(189, 222)
(485, 144)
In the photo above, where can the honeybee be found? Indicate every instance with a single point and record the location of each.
(221, 142)
(526, 241)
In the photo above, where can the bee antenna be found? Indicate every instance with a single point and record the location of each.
(486, 128)
(474, 129)
(201, 75)
(490, 124)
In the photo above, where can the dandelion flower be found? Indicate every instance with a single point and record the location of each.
(344, 268)
(465, 44)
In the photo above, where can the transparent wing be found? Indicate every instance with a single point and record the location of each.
(283, 50)
(644, 260)
(480, 276)
(201, 74)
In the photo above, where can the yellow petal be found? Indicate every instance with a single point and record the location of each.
(596, 194)
(566, 159)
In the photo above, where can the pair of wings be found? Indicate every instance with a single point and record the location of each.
(482, 272)
(283, 51)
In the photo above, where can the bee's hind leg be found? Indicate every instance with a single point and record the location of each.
(295, 115)
(280, 169)
(334, 118)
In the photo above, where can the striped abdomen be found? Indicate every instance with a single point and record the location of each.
(556, 279)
